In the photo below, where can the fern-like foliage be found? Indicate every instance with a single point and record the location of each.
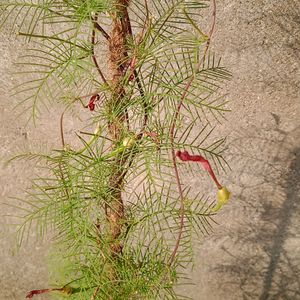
(72, 200)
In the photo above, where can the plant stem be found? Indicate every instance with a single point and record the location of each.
(62, 129)
(172, 136)
(95, 293)
(93, 41)
(104, 33)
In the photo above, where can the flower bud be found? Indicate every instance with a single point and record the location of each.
(223, 195)
(128, 142)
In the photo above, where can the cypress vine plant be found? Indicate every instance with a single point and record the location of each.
(121, 212)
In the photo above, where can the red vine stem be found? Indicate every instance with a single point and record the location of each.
(212, 28)
(93, 41)
(61, 122)
(172, 136)
(95, 293)
(139, 84)
(104, 33)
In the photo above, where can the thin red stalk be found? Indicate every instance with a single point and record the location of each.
(182, 208)
(62, 129)
(95, 293)
(104, 33)
(135, 74)
(63, 145)
(214, 12)
(172, 137)
(146, 21)
(93, 41)
(139, 84)
(178, 182)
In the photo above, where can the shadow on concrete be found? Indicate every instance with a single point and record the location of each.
(264, 261)
(289, 208)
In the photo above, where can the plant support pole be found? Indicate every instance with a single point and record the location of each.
(117, 57)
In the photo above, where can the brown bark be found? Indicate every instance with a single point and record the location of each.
(118, 60)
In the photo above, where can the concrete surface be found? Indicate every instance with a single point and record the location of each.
(254, 252)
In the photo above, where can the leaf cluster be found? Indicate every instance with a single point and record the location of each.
(73, 198)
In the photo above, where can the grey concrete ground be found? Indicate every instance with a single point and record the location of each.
(254, 252)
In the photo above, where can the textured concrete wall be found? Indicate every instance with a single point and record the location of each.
(254, 252)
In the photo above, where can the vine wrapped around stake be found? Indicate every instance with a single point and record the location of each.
(142, 73)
